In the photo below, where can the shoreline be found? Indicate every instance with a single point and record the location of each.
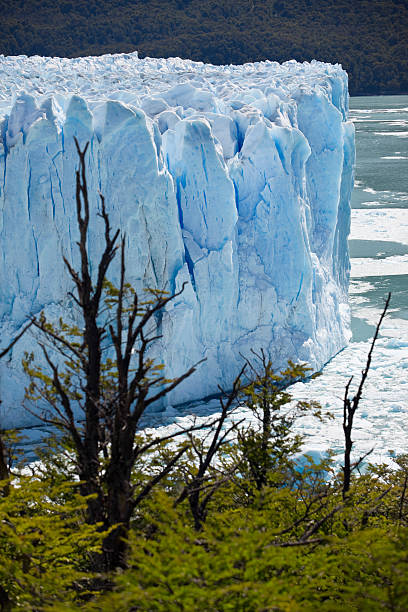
(374, 95)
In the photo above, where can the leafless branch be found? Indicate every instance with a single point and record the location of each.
(8, 348)
(350, 405)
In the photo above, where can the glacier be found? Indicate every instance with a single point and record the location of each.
(235, 180)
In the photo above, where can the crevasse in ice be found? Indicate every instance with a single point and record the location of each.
(234, 180)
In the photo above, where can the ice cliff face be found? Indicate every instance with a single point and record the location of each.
(235, 180)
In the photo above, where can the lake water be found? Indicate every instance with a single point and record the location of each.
(379, 264)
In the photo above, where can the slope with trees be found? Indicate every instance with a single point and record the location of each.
(367, 37)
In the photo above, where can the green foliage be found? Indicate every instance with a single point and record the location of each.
(236, 564)
(292, 544)
(367, 37)
(45, 544)
(364, 571)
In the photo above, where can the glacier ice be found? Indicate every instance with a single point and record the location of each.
(235, 180)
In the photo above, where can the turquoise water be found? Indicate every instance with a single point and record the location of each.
(381, 184)
(381, 124)
(379, 265)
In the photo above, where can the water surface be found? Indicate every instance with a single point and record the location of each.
(379, 265)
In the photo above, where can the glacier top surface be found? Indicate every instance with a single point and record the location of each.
(160, 84)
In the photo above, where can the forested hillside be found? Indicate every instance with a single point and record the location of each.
(368, 37)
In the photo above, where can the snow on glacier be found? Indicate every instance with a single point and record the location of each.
(234, 180)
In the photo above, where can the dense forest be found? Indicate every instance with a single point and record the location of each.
(367, 37)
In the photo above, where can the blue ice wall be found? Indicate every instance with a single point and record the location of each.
(235, 180)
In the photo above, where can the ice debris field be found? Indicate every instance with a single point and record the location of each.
(234, 180)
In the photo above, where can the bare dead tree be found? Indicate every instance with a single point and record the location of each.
(350, 407)
(113, 393)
